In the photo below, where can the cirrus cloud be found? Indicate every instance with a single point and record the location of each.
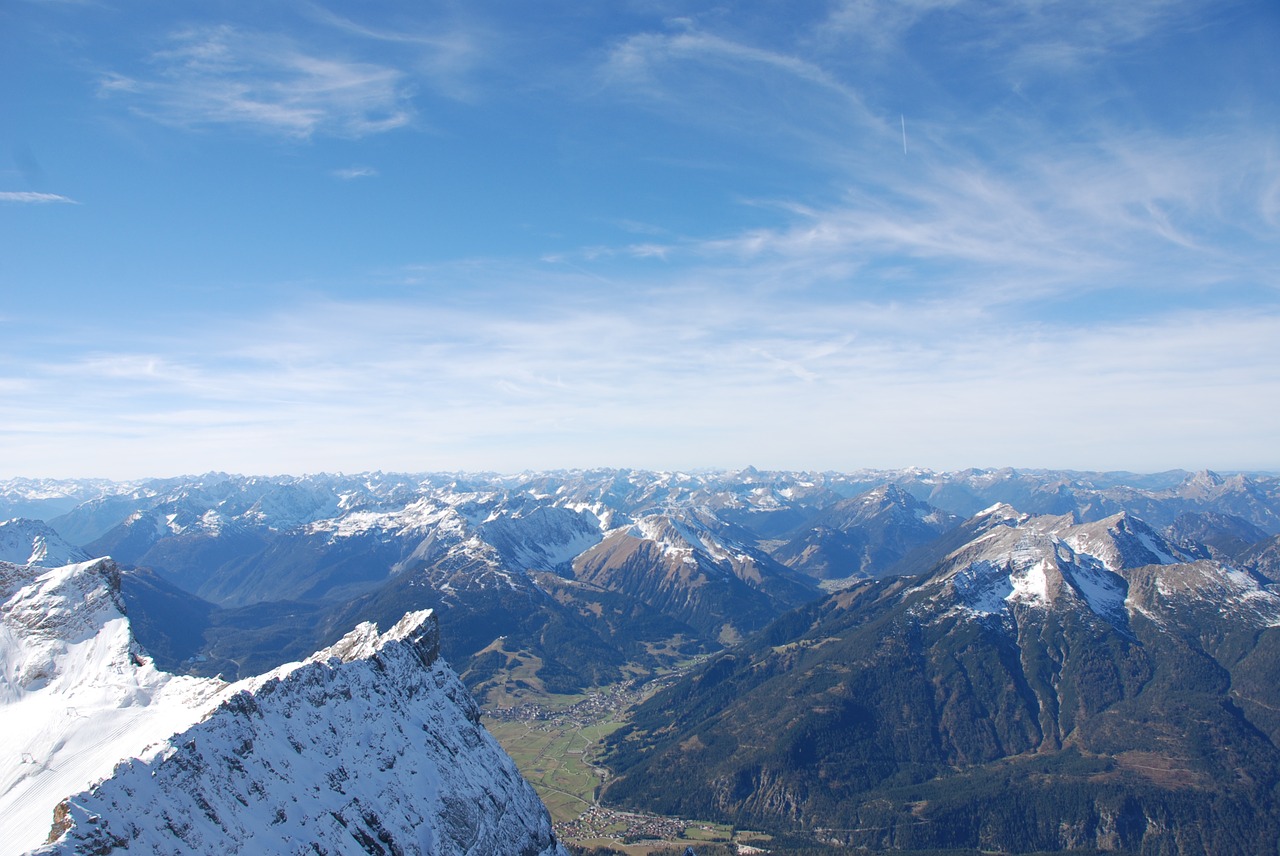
(30, 196)
(224, 75)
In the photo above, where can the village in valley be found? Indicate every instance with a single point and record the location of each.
(554, 740)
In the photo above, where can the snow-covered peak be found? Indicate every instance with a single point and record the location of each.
(422, 516)
(372, 739)
(62, 605)
(683, 536)
(364, 642)
(888, 494)
(1123, 541)
(373, 745)
(546, 539)
(32, 542)
(293, 505)
(77, 694)
(1048, 562)
(1114, 568)
(887, 504)
(1001, 511)
(664, 531)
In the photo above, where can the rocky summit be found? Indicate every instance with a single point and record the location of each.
(370, 745)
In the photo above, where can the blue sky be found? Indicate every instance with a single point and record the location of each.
(297, 237)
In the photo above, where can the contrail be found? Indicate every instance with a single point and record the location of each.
(904, 132)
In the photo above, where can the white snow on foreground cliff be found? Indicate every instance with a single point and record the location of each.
(77, 694)
(370, 746)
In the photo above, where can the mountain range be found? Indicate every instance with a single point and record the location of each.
(1046, 685)
(582, 572)
(1019, 660)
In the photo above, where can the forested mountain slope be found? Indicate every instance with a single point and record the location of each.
(1047, 685)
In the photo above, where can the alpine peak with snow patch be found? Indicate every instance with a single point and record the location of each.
(1017, 559)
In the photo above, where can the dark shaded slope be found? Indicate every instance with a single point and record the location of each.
(1263, 559)
(570, 651)
(879, 720)
(168, 622)
(242, 565)
(1223, 536)
(864, 536)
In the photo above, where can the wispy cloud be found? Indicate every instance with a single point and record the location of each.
(354, 172)
(715, 80)
(1071, 214)
(29, 196)
(1145, 217)
(1042, 35)
(640, 59)
(224, 75)
(1061, 36)
(445, 53)
(993, 201)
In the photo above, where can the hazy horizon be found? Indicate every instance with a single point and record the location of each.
(690, 471)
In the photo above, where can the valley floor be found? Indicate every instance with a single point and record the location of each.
(553, 740)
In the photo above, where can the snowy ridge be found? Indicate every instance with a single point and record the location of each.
(33, 542)
(1035, 562)
(548, 538)
(76, 692)
(423, 515)
(372, 745)
(1055, 562)
(43, 499)
(1213, 586)
(671, 538)
(414, 521)
(1123, 541)
(684, 538)
(377, 718)
(288, 502)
